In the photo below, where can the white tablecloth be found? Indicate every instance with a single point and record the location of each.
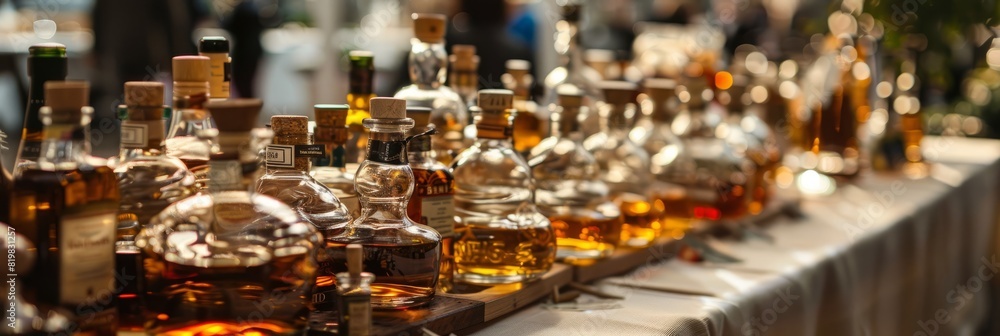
(886, 256)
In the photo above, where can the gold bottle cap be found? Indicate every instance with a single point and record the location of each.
(144, 94)
(421, 115)
(619, 92)
(496, 99)
(290, 125)
(464, 57)
(331, 115)
(429, 28)
(191, 68)
(354, 259)
(67, 95)
(388, 108)
(235, 115)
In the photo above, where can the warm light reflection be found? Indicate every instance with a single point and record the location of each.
(811, 182)
(723, 80)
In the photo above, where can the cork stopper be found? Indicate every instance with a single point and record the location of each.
(569, 96)
(354, 259)
(235, 115)
(290, 125)
(421, 115)
(429, 28)
(67, 95)
(496, 99)
(144, 94)
(619, 92)
(496, 114)
(331, 115)
(464, 57)
(388, 108)
(191, 68)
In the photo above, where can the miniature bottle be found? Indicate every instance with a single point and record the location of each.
(190, 92)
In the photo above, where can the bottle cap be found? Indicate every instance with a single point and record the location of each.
(496, 99)
(428, 28)
(360, 55)
(463, 57)
(619, 92)
(235, 115)
(144, 94)
(48, 49)
(354, 259)
(191, 68)
(331, 115)
(213, 44)
(569, 96)
(388, 108)
(290, 125)
(67, 95)
(421, 115)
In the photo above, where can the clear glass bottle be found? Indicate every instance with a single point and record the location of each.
(190, 94)
(624, 166)
(67, 207)
(502, 237)
(361, 89)
(428, 70)
(331, 169)
(528, 128)
(404, 256)
(354, 291)
(46, 62)
(148, 181)
(464, 75)
(570, 192)
(572, 69)
(229, 261)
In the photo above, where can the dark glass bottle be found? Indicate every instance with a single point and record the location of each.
(46, 62)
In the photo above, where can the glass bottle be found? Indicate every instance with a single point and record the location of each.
(216, 48)
(572, 69)
(528, 129)
(750, 134)
(360, 90)
(464, 75)
(67, 207)
(624, 166)
(433, 191)
(428, 70)
(570, 192)
(906, 104)
(331, 170)
(404, 256)
(502, 237)
(46, 62)
(190, 94)
(148, 181)
(354, 289)
(229, 261)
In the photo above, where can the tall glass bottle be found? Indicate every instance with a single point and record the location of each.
(360, 90)
(749, 134)
(624, 166)
(528, 129)
(404, 256)
(659, 105)
(229, 261)
(331, 169)
(570, 192)
(190, 94)
(216, 48)
(46, 62)
(148, 181)
(428, 70)
(572, 69)
(502, 237)
(67, 207)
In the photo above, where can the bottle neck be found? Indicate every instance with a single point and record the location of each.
(40, 70)
(465, 82)
(428, 65)
(189, 112)
(567, 126)
(143, 136)
(618, 118)
(64, 146)
(290, 153)
(568, 46)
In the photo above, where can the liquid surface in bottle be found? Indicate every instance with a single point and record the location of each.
(583, 238)
(498, 254)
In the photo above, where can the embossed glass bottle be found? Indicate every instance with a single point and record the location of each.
(331, 169)
(570, 192)
(624, 166)
(404, 256)
(190, 94)
(229, 261)
(572, 69)
(428, 70)
(502, 237)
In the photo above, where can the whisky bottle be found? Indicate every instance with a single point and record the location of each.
(624, 166)
(464, 74)
(331, 169)
(502, 237)
(570, 192)
(67, 207)
(528, 129)
(190, 94)
(433, 191)
(404, 256)
(228, 261)
(428, 70)
(46, 62)
(148, 182)
(216, 48)
(749, 134)
(360, 91)
(572, 71)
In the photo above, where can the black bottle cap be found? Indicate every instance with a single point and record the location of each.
(213, 44)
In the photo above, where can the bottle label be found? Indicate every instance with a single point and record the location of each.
(134, 135)
(355, 316)
(438, 212)
(390, 152)
(283, 156)
(86, 246)
(224, 175)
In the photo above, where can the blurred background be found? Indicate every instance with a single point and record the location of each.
(292, 53)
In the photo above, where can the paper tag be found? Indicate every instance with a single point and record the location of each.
(280, 156)
(134, 135)
(309, 150)
(86, 247)
(440, 214)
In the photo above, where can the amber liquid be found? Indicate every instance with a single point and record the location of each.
(359, 111)
(436, 183)
(405, 275)
(583, 239)
(725, 202)
(641, 220)
(489, 255)
(128, 264)
(262, 298)
(835, 127)
(528, 130)
(41, 200)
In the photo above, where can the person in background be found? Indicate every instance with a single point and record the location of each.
(484, 24)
